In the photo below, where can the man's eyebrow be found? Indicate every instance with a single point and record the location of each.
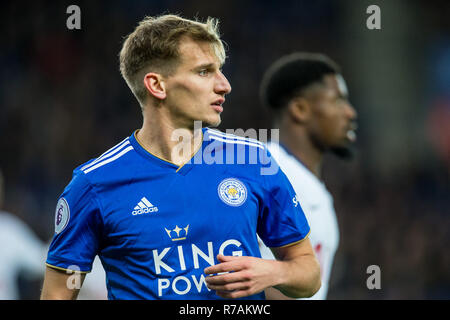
(208, 66)
(205, 66)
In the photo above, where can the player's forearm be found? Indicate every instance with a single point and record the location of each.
(51, 292)
(55, 286)
(58, 295)
(299, 277)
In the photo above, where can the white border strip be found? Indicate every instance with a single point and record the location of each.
(247, 143)
(100, 164)
(232, 136)
(108, 153)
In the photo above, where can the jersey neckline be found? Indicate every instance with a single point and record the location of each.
(161, 162)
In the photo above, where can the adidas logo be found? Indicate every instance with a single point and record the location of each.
(144, 206)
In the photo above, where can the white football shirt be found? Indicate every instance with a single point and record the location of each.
(317, 203)
(20, 250)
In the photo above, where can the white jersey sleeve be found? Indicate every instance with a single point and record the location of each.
(317, 204)
(21, 250)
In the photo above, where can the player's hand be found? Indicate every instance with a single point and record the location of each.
(245, 276)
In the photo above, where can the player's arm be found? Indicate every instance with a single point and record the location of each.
(296, 273)
(58, 285)
(299, 275)
(78, 225)
(274, 294)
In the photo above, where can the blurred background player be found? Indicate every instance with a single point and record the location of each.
(22, 256)
(22, 253)
(310, 100)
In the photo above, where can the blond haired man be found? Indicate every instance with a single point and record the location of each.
(169, 223)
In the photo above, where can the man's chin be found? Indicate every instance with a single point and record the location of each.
(344, 152)
(212, 123)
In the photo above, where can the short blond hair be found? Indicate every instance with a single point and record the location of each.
(153, 47)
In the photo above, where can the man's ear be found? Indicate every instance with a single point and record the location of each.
(299, 109)
(155, 85)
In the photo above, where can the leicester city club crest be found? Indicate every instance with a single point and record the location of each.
(232, 191)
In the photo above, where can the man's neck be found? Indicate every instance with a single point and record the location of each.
(168, 141)
(302, 148)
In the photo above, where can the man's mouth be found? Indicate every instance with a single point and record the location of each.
(217, 105)
(351, 132)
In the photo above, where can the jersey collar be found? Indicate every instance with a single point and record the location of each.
(163, 163)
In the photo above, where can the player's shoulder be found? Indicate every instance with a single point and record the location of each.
(290, 165)
(12, 224)
(245, 157)
(302, 179)
(7, 218)
(236, 142)
(108, 163)
(280, 154)
(243, 153)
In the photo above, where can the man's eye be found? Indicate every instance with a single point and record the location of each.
(203, 72)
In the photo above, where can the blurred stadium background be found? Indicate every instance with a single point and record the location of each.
(62, 102)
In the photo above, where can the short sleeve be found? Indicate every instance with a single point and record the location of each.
(78, 227)
(281, 219)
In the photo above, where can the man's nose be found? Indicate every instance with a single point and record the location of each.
(351, 111)
(222, 85)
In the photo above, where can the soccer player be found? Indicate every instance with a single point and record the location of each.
(21, 252)
(170, 211)
(309, 98)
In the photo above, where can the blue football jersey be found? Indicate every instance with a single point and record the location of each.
(156, 226)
